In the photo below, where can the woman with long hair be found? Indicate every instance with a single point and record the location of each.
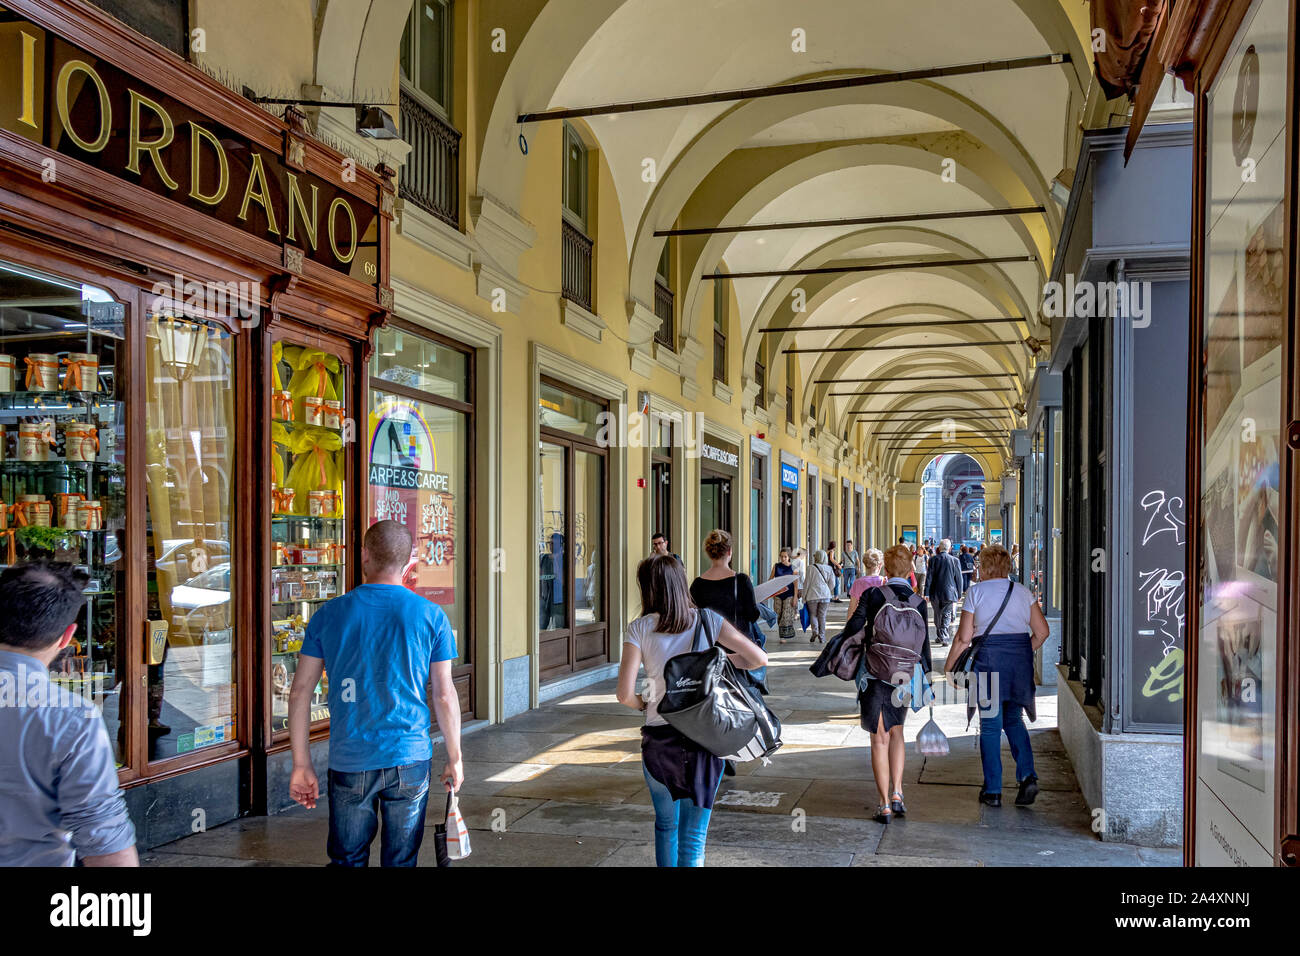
(881, 712)
(682, 776)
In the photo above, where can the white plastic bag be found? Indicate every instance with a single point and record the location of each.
(931, 740)
(458, 833)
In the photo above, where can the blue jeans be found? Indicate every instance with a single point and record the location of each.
(680, 827)
(398, 795)
(1006, 717)
(850, 575)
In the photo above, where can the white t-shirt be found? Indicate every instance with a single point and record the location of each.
(657, 649)
(984, 598)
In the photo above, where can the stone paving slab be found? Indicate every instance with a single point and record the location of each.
(839, 798)
(581, 784)
(508, 746)
(841, 763)
(489, 777)
(925, 861)
(285, 839)
(483, 812)
(731, 856)
(521, 848)
(1054, 771)
(997, 847)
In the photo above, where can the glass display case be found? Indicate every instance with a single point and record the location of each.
(62, 462)
(310, 425)
(191, 653)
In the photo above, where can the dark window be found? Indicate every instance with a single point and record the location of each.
(426, 52)
(789, 404)
(760, 376)
(430, 177)
(720, 331)
(163, 21)
(575, 178)
(666, 334)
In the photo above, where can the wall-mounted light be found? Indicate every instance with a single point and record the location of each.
(1035, 345)
(375, 123)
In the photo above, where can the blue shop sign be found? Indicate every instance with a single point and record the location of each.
(789, 476)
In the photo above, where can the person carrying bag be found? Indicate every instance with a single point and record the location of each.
(681, 774)
(1002, 658)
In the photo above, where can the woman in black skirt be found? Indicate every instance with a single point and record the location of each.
(881, 717)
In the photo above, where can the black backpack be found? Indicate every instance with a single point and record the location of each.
(708, 702)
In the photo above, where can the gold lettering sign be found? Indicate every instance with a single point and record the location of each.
(105, 107)
(297, 207)
(338, 202)
(257, 177)
(109, 119)
(197, 134)
(28, 114)
(154, 148)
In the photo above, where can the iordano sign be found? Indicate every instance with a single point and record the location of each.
(85, 108)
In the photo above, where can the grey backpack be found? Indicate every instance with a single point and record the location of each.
(898, 637)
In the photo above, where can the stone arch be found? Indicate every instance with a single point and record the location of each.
(553, 37)
(764, 185)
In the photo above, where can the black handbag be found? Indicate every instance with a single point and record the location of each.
(708, 702)
(966, 659)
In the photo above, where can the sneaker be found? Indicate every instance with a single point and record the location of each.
(1028, 791)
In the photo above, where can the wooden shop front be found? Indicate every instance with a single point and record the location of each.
(188, 290)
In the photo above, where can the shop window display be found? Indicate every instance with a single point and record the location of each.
(62, 462)
(309, 423)
(190, 443)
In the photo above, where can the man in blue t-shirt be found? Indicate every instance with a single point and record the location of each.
(380, 644)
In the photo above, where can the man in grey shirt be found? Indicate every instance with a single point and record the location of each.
(59, 799)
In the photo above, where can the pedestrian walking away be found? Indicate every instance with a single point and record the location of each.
(682, 776)
(838, 568)
(730, 593)
(851, 567)
(819, 585)
(882, 712)
(872, 564)
(944, 586)
(381, 644)
(59, 799)
(1010, 626)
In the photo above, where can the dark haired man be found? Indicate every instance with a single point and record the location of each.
(59, 799)
(381, 644)
(659, 545)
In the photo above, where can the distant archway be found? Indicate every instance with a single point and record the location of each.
(952, 499)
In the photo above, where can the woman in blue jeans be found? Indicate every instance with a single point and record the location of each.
(1009, 625)
(682, 776)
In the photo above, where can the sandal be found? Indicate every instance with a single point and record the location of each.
(883, 814)
(896, 804)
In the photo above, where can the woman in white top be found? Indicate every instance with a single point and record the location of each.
(683, 777)
(818, 588)
(919, 564)
(1009, 625)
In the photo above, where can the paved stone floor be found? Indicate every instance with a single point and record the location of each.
(563, 786)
